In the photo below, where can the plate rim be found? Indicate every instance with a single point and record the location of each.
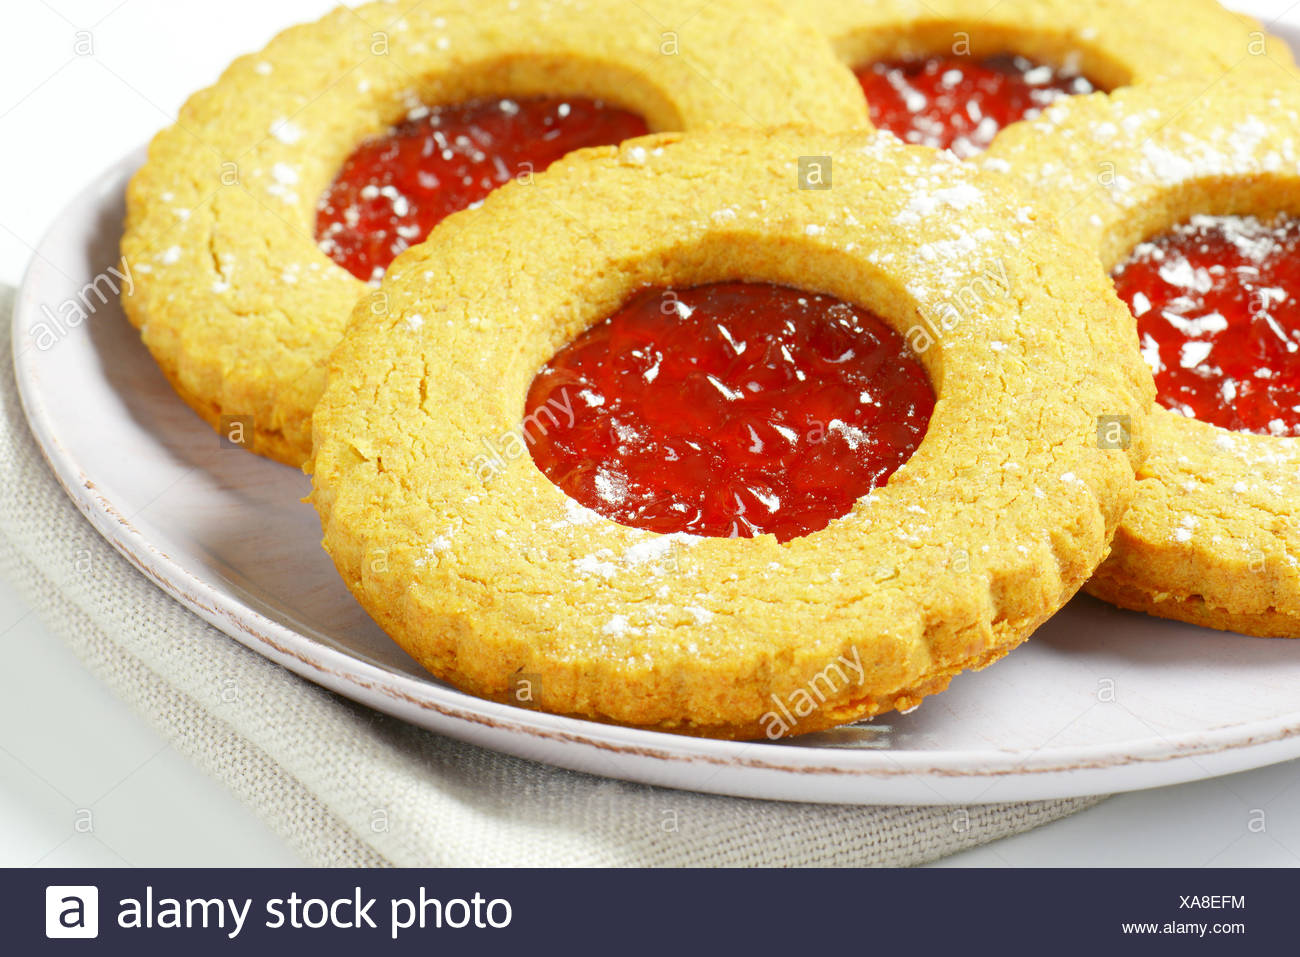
(1062, 772)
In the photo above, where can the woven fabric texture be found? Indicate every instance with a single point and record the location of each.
(347, 786)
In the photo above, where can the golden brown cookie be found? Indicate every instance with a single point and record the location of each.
(1212, 537)
(1101, 44)
(493, 578)
(234, 297)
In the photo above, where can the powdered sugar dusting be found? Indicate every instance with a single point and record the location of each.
(658, 548)
(924, 205)
(285, 131)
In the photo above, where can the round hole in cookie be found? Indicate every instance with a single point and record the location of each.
(455, 141)
(1215, 290)
(396, 187)
(955, 86)
(728, 409)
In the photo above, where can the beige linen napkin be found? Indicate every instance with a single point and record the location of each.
(348, 786)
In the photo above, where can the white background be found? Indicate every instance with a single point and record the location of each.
(71, 753)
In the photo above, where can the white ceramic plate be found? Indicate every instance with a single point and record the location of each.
(1099, 700)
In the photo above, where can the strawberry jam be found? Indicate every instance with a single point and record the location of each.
(395, 188)
(1216, 301)
(960, 102)
(733, 409)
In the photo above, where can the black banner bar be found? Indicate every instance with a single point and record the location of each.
(623, 913)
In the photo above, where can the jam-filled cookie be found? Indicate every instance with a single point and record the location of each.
(952, 73)
(674, 437)
(284, 189)
(1191, 198)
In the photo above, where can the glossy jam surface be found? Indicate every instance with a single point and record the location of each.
(961, 102)
(733, 409)
(395, 188)
(1217, 301)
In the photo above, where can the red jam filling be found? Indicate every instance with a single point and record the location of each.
(395, 188)
(1218, 313)
(728, 410)
(959, 102)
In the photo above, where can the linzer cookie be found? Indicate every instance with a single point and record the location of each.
(284, 189)
(733, 455)
(952, 73)
(1189, 197)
